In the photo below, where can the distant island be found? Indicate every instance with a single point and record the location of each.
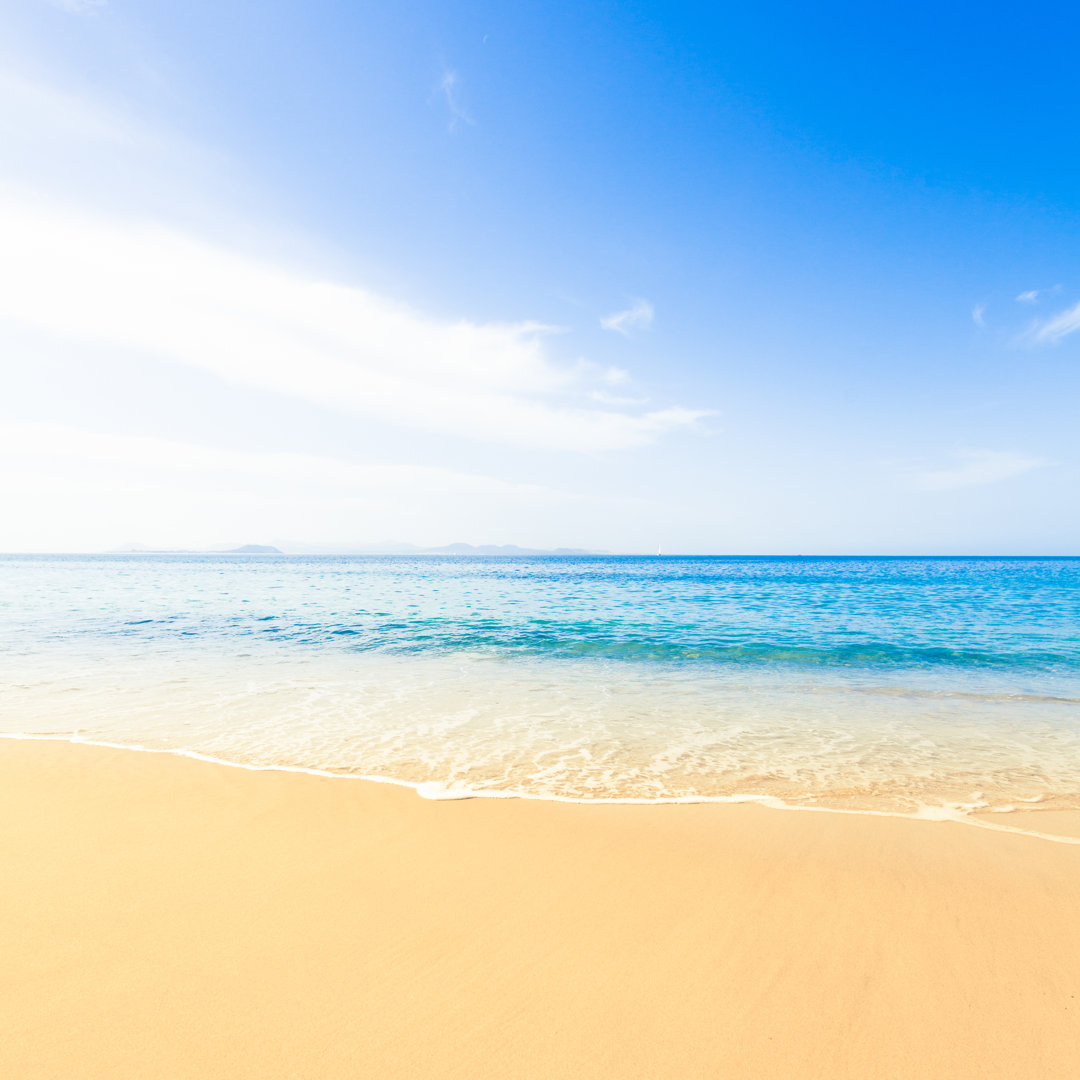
(244, 549)
(501, 549)
(397, 547)
(390, 547)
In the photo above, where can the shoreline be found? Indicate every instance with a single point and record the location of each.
(435, 792)
(171, 917)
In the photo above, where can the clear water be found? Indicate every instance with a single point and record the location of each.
(859, 683)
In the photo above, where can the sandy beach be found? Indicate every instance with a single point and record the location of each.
(171, 918)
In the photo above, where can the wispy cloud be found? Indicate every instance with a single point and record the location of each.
(977, 314)
(638, 316)
(977, 467)
(1060, 326)
(306, 470)
(165, 294)
(62, 486)
(448, 88)
(32, 111)
(1029, 297)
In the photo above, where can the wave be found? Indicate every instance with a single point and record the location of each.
(959, 813)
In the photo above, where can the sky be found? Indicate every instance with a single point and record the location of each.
(725, 278)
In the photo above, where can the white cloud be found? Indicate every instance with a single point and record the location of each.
(308, 470)
(83, 150)
(1060, 326)
(65, 488)
(638, 316)
(162, 294)
(37, 112)
(448, 88)
(975, 468)
(977, 314)
(1029, 297)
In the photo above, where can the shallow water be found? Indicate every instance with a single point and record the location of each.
(855, 683)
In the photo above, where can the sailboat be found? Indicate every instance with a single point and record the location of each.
(658, 551)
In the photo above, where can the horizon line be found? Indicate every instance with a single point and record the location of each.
(533, 554)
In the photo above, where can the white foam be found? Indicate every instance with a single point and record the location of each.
(436, 791)
(465, 727)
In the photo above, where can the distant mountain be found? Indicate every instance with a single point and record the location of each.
(387, 547)
(502, 549)
(396, 547)
(383, 547)
(245, 549)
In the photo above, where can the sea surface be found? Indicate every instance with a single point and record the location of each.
(893, 684)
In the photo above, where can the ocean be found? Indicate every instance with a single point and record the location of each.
(935, 686)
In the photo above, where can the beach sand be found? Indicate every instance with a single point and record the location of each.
(163, 917)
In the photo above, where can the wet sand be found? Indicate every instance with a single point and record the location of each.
(171, 918)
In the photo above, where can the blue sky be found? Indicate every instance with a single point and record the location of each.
(781, 279)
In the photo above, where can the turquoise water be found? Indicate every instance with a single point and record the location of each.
(865, 683)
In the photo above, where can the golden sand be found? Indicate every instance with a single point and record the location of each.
(163, 917)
